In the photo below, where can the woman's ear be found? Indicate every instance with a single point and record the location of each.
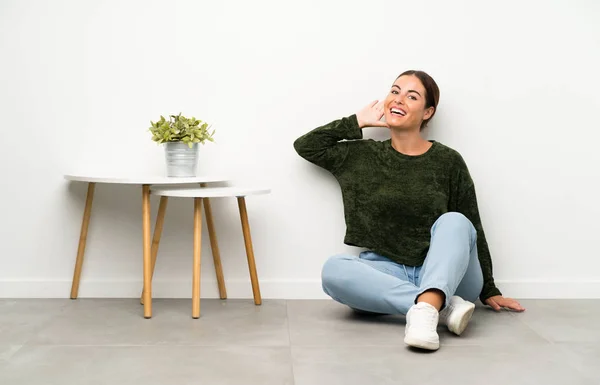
(428, 113)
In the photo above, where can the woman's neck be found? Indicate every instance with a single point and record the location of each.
(409, 142)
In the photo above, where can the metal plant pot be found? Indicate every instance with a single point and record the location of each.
(182, 161)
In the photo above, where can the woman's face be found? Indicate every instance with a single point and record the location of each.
(404, 106)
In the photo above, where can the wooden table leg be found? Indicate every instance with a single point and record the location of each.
(249, 250)
(82, 239)
(158, 227)
(147, 251)
(214, 246)
(197, 258)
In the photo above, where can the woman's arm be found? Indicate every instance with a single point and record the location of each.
(324, 145)
(463, 199)
(466, 203)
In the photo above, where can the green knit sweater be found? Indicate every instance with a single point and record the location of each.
(391, 200)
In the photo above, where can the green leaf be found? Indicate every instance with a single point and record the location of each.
(180, 128)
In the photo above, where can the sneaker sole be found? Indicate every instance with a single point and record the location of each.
(421, 343)
(460, 318)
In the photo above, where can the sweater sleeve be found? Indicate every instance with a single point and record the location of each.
(324, 145)
(466, 204)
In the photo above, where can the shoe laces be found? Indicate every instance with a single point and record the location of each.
(424, 316)
(446, 312)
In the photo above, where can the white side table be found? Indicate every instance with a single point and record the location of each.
(149, 250)
(200, 194)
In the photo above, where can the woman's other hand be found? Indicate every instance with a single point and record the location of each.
(370, 115)
(498, 302)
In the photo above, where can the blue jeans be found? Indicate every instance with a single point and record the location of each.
(373, 283)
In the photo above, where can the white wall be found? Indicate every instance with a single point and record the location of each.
(80, 82)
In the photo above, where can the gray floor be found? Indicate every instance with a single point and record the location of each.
(287, 342)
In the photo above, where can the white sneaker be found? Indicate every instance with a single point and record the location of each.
(421, 325)
(457, 314)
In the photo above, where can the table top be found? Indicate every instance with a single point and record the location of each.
(141, 179)
(209, 192)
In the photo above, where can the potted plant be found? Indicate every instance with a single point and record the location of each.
(180, 136)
